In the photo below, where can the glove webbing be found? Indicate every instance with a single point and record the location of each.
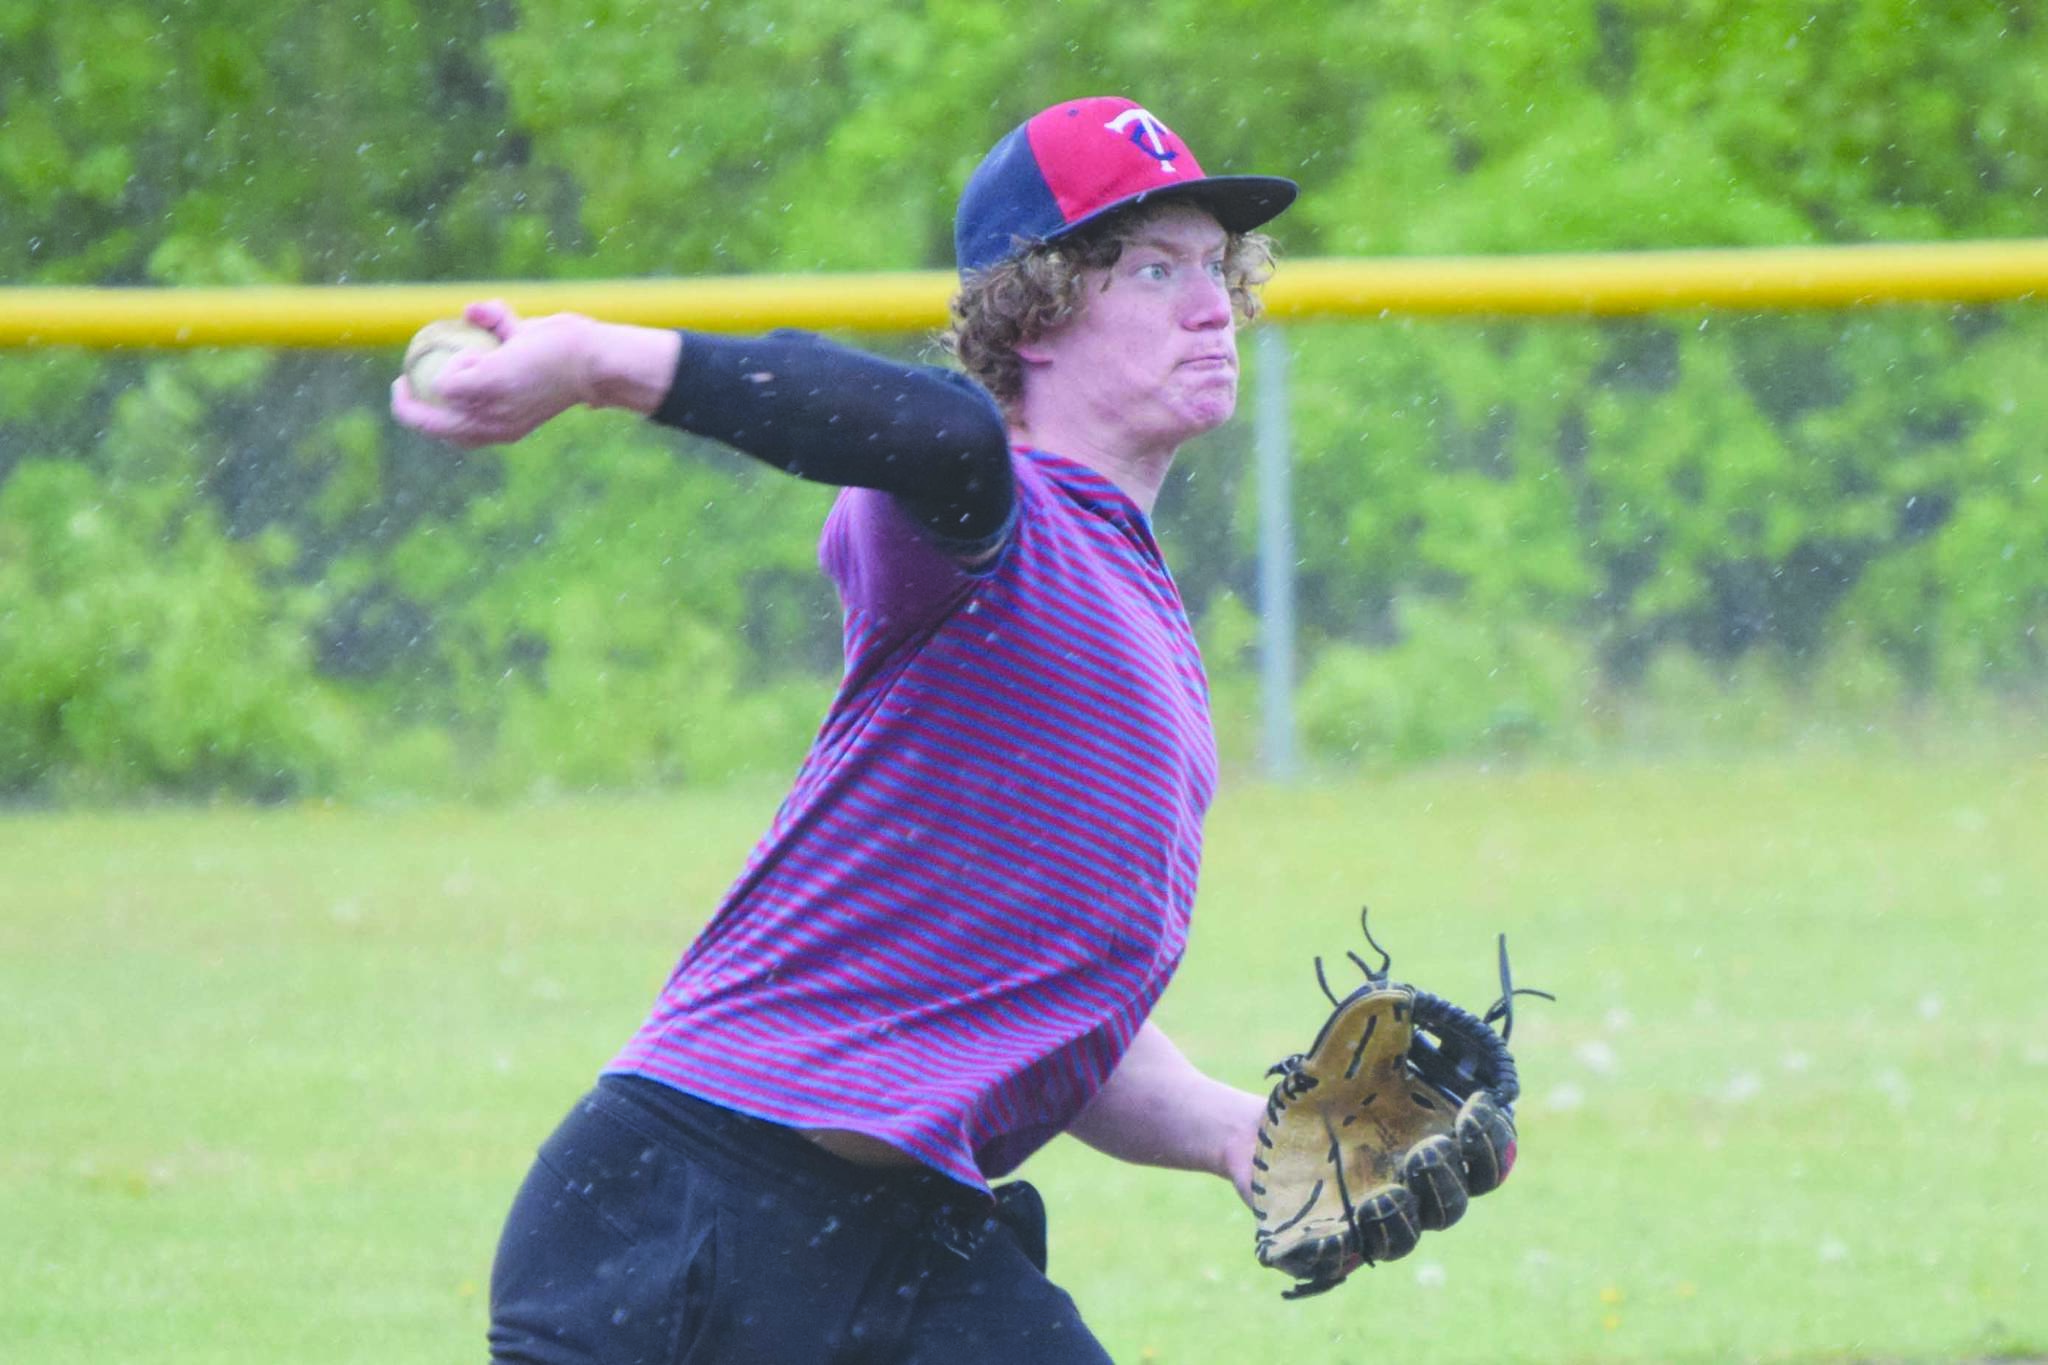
(1454, 1066)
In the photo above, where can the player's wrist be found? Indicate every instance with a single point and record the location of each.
(1236, 1142)
(622, 366)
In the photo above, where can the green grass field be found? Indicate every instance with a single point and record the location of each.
(272, 1076)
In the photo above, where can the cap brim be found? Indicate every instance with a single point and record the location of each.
(1239, 202)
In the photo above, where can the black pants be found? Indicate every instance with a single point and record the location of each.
(657, 1229)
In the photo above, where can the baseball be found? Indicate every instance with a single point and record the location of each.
(432, 347)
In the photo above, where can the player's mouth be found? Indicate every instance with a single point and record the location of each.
(1210, 362)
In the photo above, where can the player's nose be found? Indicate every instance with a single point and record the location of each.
(1207, 303)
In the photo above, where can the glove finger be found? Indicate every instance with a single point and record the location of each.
(1434, 1171)
(1323, 1258)
(1387, 1223)
(1486, 1142)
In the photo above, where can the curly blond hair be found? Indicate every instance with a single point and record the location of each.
(1007, 305)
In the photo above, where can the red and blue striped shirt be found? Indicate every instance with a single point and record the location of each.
(980, 882)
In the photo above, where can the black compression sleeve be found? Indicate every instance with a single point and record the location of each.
(835, 415)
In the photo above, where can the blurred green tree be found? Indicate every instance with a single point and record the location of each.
(1504, 525)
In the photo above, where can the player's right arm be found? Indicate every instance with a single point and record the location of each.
(827, 413)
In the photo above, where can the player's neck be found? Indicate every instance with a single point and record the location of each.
(1139, 473)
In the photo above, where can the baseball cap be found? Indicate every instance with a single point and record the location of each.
(1068, 165)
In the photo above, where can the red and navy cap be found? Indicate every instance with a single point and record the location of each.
(1077, 161)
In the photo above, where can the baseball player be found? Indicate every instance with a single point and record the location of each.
(943, 952)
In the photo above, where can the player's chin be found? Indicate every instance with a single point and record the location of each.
(1210, 406)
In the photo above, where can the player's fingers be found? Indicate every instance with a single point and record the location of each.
(424, 418)
(433, 421)
(466, 379)
(494, 316)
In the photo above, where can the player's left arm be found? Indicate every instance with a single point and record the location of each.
(1157, 1109)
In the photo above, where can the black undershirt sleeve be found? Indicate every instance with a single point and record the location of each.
(831, 414)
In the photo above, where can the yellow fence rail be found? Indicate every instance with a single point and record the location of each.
(1589, 284)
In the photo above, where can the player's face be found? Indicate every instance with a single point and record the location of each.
(1151, 358)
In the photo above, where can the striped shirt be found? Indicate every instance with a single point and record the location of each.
(981, 881)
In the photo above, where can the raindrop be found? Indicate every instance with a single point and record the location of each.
(1596, 1057)
(1742, 1087)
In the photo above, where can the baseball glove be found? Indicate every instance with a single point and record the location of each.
(1400, 1112)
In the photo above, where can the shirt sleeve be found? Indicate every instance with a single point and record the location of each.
(930, 437)
(893, 575)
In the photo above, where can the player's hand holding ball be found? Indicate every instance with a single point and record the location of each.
(434, 345)
(491, 378)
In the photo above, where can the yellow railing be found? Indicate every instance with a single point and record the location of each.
(1587, 284)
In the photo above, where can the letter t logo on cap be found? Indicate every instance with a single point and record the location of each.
(1147, 134)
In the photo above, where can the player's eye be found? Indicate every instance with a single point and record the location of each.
(1153, 270)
